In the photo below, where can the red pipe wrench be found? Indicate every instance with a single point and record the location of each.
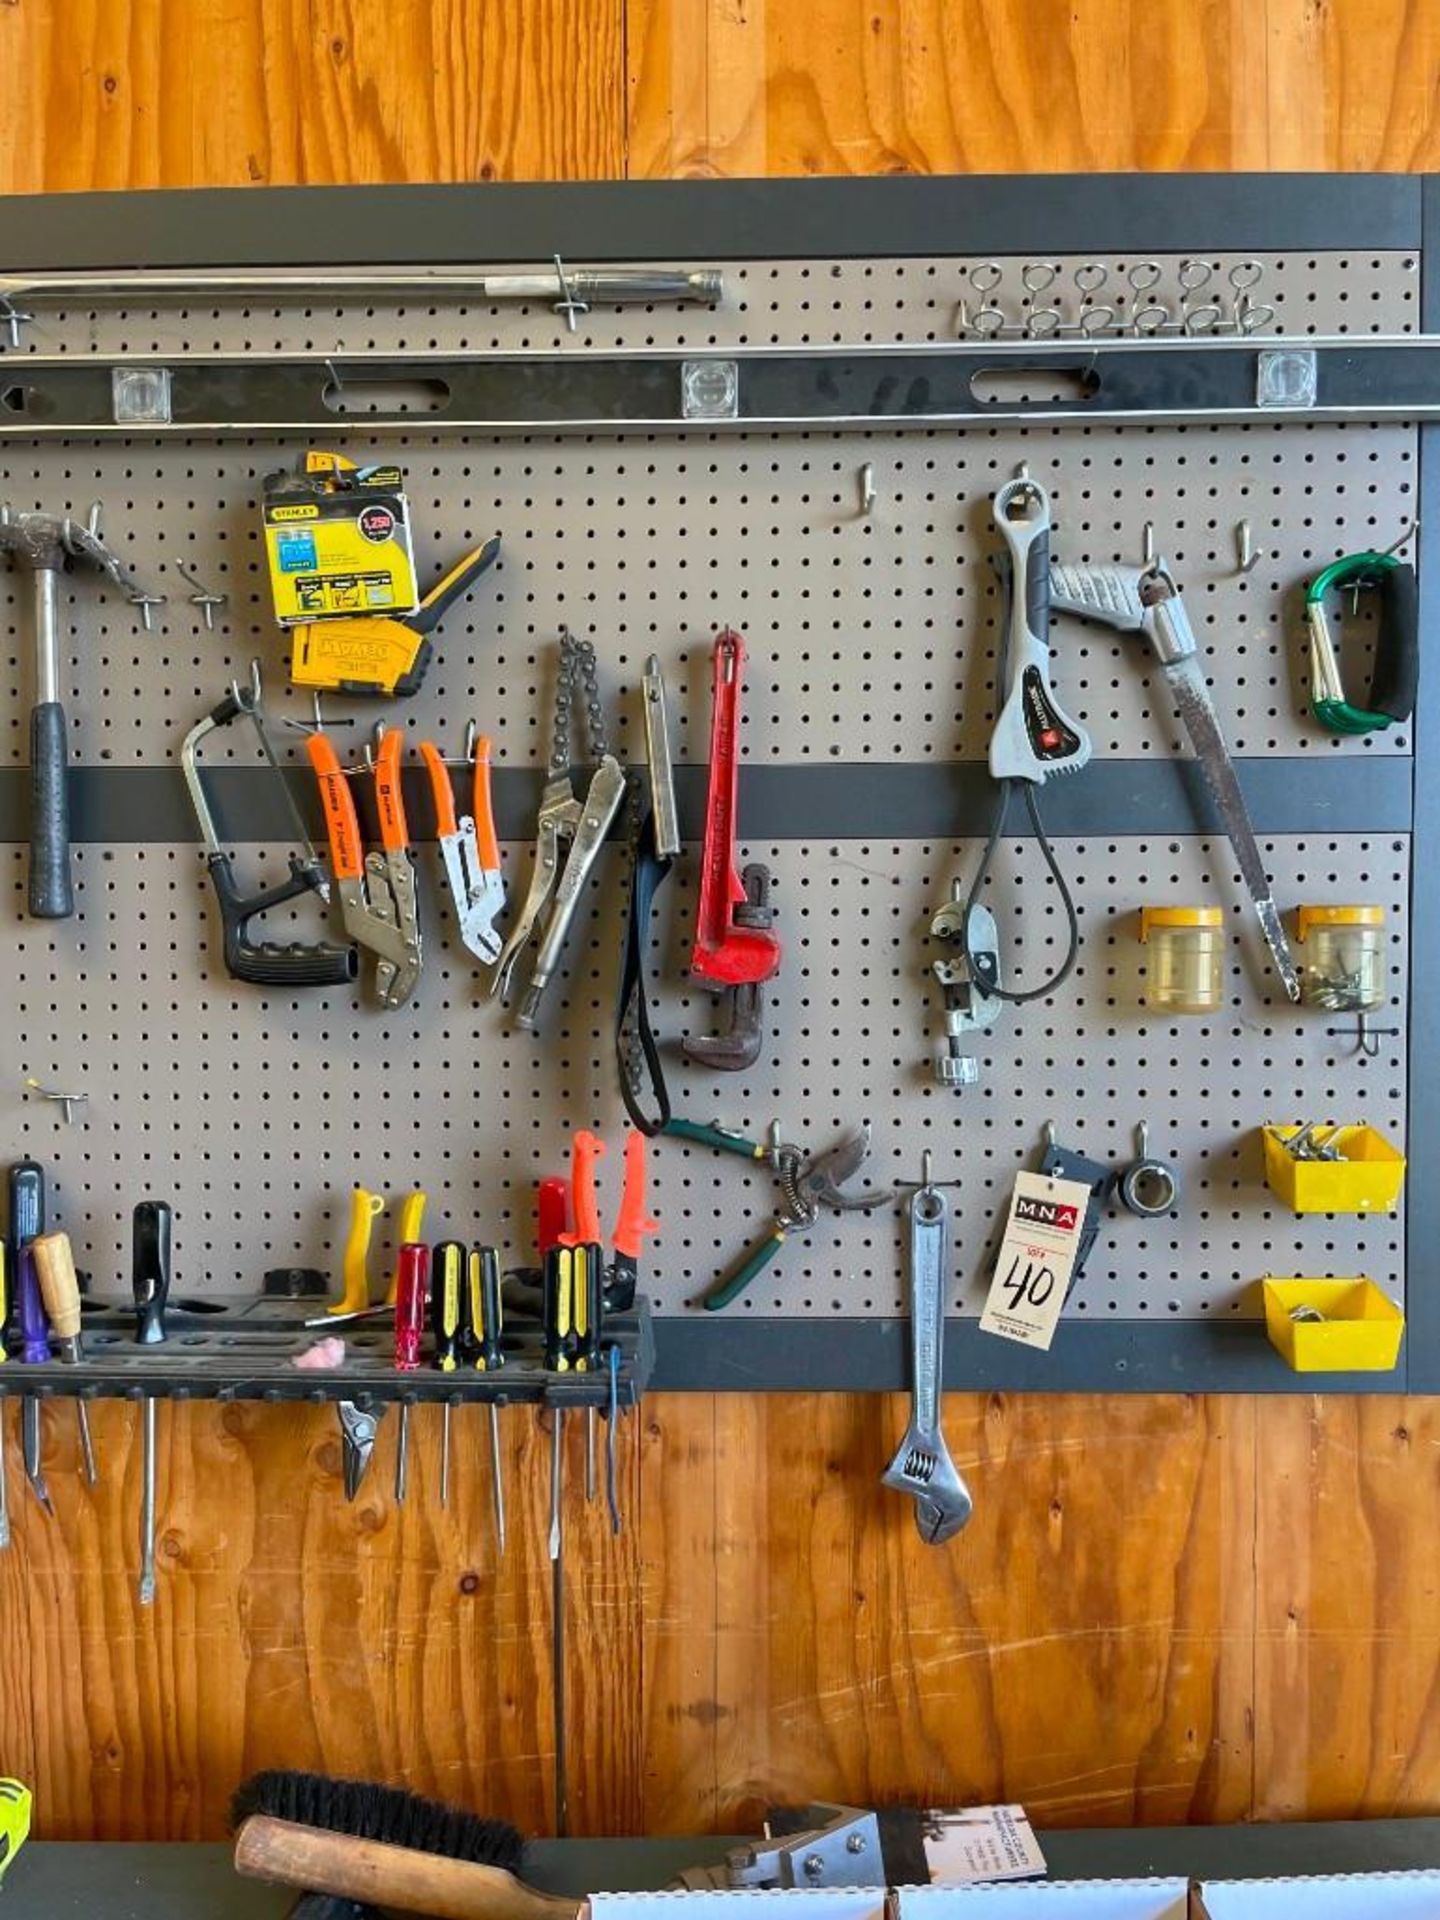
(726, 951)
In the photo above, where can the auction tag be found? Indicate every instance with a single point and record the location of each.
(1037, 1257)
(980, 1843)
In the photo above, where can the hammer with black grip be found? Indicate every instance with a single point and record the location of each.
(45, 542)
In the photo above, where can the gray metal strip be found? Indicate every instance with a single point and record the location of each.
(1106, 382)
(725, 1354)
(721, 220)
(842, 801)
(1422, 1196)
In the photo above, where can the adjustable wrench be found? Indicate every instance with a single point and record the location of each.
(922, 1466)
(734, 948)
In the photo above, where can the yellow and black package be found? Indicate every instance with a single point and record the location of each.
(342, 574)
(337, 541)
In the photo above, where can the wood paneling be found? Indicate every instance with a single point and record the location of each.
(178, 93)
(1084, 1646)
(1163, 1609)
(921, 86)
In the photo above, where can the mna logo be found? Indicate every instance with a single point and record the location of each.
(1047, 1213)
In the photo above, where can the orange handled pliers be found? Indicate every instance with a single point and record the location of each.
(469, 849)
(377, 890)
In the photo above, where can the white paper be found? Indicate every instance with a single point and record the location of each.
(1036, 1259)
(966, 1844)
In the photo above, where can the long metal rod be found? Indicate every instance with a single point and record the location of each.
(609, 286)
(896, 387)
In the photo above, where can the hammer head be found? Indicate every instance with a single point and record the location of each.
(43, 542)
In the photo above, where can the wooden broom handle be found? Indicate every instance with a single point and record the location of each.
(384, 1876)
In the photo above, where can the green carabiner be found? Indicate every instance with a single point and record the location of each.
(1397, 644)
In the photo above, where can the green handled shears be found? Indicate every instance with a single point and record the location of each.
(807, 1182)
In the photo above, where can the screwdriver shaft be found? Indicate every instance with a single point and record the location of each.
(147, 1501)
(4, 1484)
(87, 1444)
(30, 1448)
(445, 1456)
(497, 1482)
(556, 1433)
(589, 1455)
(402, 1455)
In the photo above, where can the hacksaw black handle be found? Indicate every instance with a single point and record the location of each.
(51, 896)
(1396, 673)
(266, 963)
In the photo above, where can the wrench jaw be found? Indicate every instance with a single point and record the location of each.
(921, 1466)
(741, 1030)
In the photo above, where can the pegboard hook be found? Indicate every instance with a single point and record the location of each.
(66, 1101)
(867, 490)
(1247, 555)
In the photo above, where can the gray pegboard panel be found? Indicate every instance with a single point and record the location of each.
(769, 302)
(256, 1115)
(870, 639)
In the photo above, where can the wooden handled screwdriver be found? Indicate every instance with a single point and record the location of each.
(60, 1290)
(150, 1278)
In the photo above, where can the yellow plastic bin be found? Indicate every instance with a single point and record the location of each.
(1367, 1180)
(1359, 1331)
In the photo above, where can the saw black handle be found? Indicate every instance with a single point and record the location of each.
(266, 963)
(1396, 674)
(51, 895)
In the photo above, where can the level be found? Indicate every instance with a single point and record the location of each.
(755, 388)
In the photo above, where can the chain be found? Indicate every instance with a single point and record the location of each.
(579, 672)
(594, 712)
(564, 697)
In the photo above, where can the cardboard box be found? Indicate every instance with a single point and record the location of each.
(1048, 1900)
(1338, 1896)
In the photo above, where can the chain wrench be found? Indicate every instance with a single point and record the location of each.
(922, 1466)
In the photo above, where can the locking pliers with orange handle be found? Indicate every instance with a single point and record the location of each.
(376, 890)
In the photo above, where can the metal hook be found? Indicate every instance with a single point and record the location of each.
(66, 1101)
(248, 701)
(867, 490)
(202, 597)
(334, 372)
(927, 1169)
(567, 304)
(1395, 545)
(1247, 557)
(472, 734)
(1147, 548)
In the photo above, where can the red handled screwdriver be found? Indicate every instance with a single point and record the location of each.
(412, 1288)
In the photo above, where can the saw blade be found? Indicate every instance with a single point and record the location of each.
(1192, 701)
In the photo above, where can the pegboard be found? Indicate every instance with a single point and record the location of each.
(260, 1114)
(871, 639)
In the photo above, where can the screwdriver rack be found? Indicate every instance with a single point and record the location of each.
(239, 1347)
(872, 632)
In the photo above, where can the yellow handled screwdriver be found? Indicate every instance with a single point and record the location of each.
(60, 1290)
(447, 1273)
(484, 1324)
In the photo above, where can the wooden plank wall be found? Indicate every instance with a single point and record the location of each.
(1165, 1609)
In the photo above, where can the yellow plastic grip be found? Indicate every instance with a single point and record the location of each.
(355, 1281)
(407, 1232)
